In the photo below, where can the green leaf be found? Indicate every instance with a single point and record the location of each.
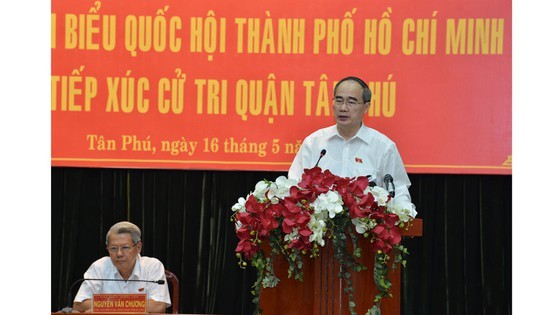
(374, 310)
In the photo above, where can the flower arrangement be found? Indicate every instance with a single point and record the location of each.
(297, 218)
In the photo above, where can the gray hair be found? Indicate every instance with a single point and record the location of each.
(125, 227)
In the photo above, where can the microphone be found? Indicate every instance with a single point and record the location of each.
(68, 308)
(388, 179)
(371, 181)
(323, 152)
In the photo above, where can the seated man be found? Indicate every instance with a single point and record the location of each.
(125, 263)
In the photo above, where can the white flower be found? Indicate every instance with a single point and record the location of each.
(292, 236)
(404, 209)
(260, 190)
(329, 201)
(240, 205)
(317, 226)
(379, 194)
(274, 191)
(363, 225)
(282, 186)
(238, 225)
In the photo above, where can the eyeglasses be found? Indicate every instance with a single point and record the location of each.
(124, 249)
(339, 101)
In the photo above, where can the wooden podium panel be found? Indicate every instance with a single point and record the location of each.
(322, 291)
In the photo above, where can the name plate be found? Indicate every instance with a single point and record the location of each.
(119, 303)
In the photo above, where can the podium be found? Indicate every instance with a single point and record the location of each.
(322, 291)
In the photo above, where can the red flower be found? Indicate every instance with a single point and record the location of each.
(379, 244)
(317, 181)
(303, 196)
(288, 225)
(391, 219)
(295, 219)
(246, 245)
(394, 235)
(247, 248)
(253, 205)
(302, 243)
(386, 235)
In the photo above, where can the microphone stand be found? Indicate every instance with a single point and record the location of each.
(323, 152)
(69, 306)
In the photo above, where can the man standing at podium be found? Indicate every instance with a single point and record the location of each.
(124, 264)
(349, 148)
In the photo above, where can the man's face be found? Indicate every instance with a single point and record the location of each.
(123, 252)
(348, 105)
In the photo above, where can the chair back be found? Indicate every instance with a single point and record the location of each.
(173, 283)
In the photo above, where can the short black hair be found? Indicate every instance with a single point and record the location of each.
(366, 92)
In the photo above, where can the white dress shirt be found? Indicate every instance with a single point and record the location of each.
(145, 268)
(369, 152)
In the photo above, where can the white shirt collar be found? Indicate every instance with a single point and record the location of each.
(361, 134)
(135, 271)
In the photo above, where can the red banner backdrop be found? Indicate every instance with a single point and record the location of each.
(237, 85)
